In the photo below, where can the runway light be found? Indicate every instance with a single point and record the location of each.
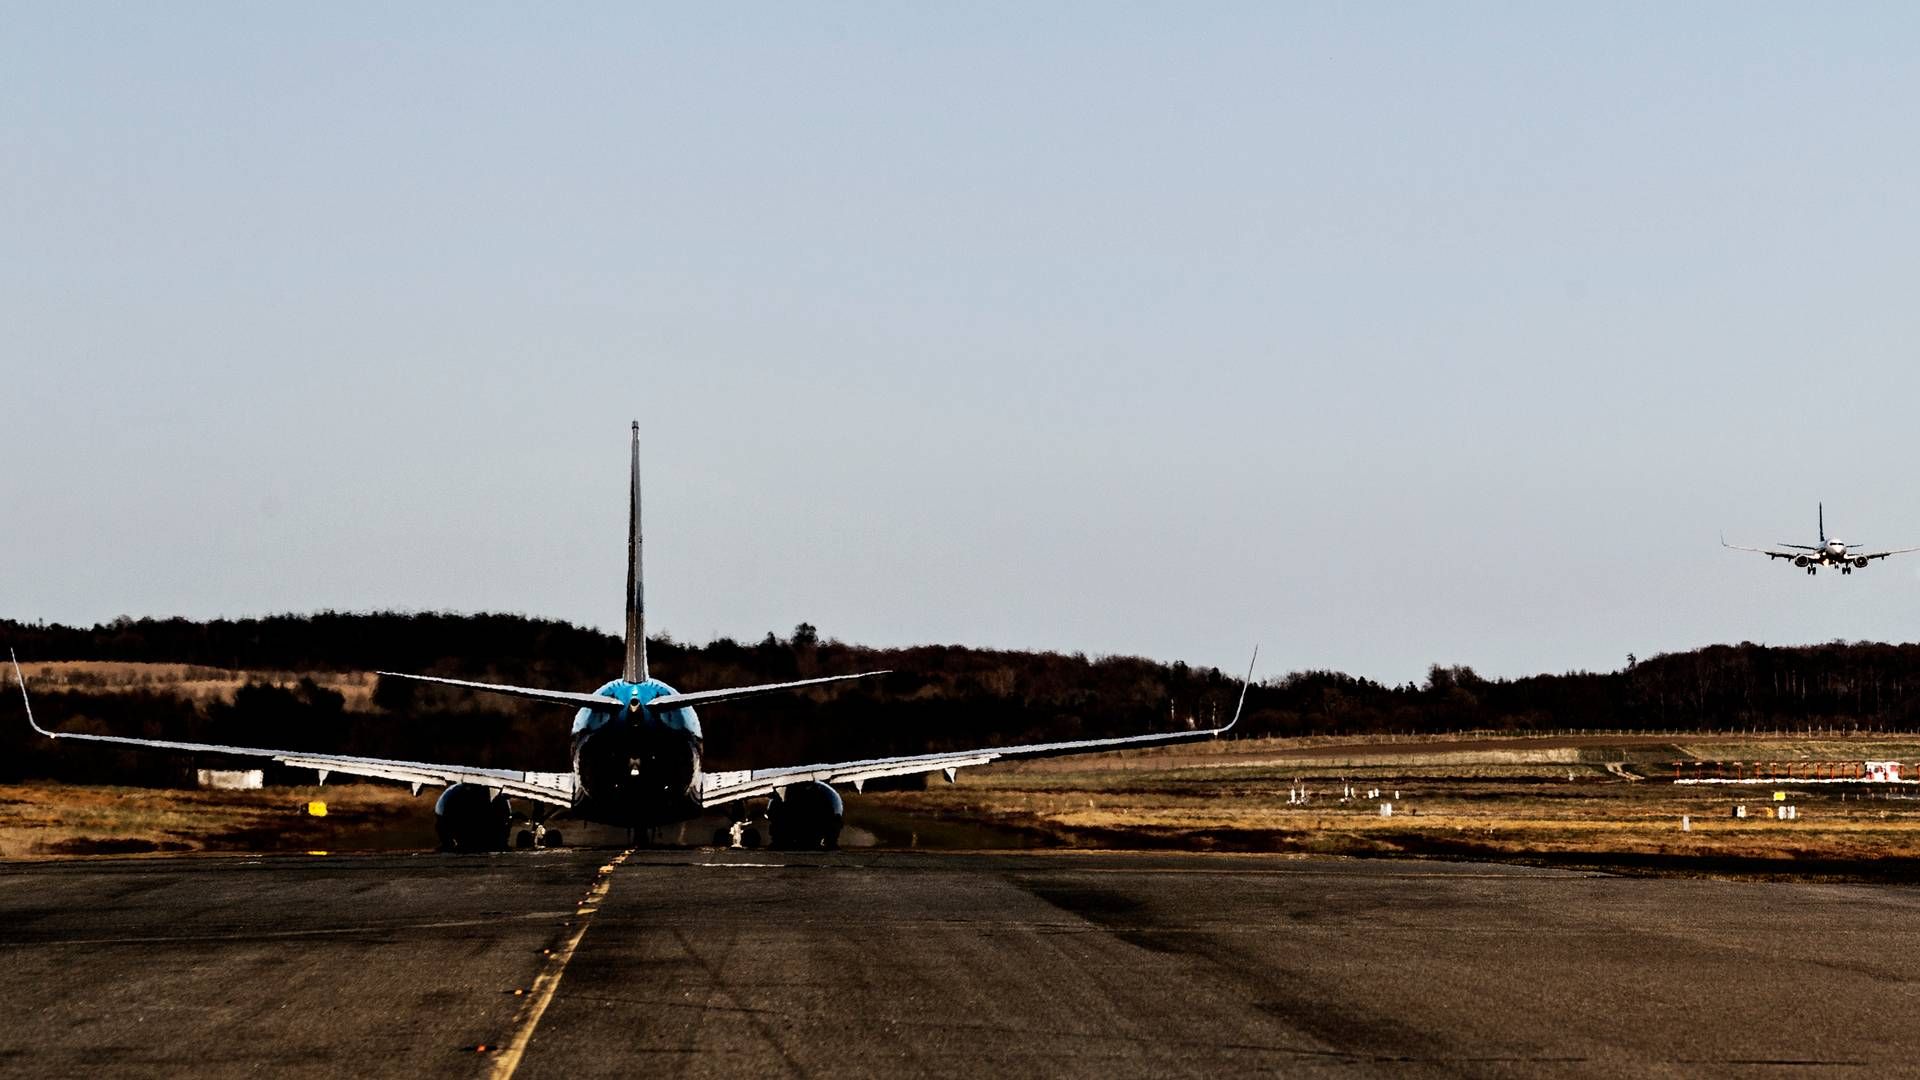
(316, 808)
(518, 992)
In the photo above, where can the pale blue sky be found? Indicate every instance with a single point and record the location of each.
(1379, 334)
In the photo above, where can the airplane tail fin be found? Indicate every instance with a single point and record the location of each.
(636, 666)
(1823, 524)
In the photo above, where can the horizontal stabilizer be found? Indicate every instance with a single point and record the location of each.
(735, 693)
(602, 703)
(557, 697)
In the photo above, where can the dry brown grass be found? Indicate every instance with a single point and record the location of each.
(46, 819)
(1510, 803)
(189, 681)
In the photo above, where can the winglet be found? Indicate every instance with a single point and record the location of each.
(1244, 683)
(23, 696)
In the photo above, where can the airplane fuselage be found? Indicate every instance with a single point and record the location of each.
(1830, 553)
(637, 767)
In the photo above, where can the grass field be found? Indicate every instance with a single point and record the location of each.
(1567, 801)
(42, 820)
(1591, 801)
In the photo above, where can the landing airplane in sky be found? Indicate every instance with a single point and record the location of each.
(636, 754)
(1830, 552)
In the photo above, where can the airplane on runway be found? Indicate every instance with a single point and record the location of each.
(636, 745)
(1829, 552)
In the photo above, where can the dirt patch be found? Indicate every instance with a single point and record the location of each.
(110, 846)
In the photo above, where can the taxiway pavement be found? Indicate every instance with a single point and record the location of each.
(729, 964)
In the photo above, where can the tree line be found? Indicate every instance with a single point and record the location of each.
(937, 696)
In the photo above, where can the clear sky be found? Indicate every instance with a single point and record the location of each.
(1380, 334)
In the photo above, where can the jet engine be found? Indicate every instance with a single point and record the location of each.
(470, 818)
(1800, 560)
(807, 818)
(1861, 562)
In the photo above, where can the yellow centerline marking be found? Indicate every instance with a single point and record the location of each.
(548, 981)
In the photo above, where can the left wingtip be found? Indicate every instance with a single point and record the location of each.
(21, 678)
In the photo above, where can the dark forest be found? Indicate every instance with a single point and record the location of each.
(937, 697)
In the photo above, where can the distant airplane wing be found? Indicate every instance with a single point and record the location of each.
(720, 788)
(1768, 552)
(553, 789)
(1884, 554)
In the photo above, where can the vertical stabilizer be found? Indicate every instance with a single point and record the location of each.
(1823, 523)
(636, 669)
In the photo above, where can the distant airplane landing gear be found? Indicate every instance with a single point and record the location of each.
(1812, 570)
(1846, 569)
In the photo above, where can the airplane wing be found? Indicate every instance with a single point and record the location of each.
(602, 703)
(553, 789)
(1884, 554)
(1768, 552)
(720, 788)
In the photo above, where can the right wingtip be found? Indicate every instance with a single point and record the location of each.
(1244, 684)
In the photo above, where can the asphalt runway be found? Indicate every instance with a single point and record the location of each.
(716, 964)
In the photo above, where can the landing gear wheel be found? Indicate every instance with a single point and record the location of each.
(523, 839)
(552, 839)
(723, 838)
(750, 837)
